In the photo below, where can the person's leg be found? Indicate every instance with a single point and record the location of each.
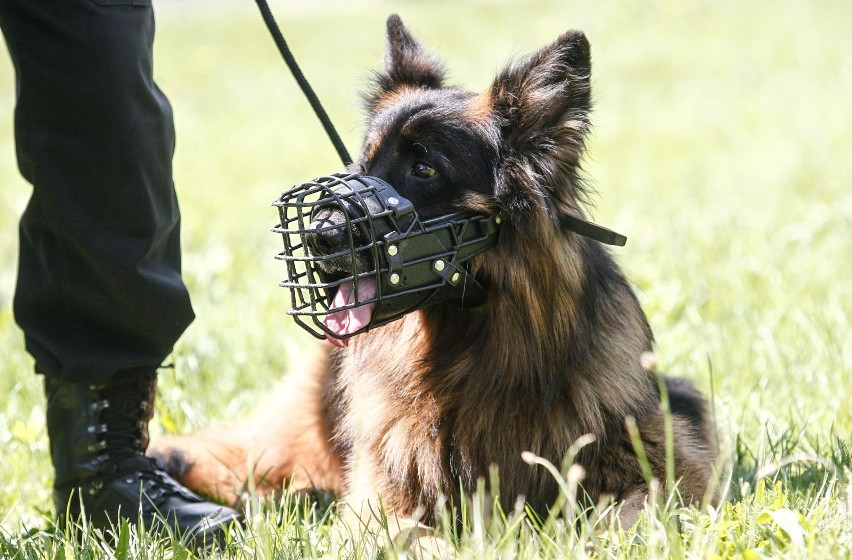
(99, 290)
(99, 294)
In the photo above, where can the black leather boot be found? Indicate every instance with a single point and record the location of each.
(98, 436)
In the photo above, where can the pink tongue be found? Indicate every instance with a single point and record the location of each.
(347, 321)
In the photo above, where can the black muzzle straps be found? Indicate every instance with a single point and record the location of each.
(592, 230)
(358, 255)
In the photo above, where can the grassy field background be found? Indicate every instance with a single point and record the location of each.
(722, 147)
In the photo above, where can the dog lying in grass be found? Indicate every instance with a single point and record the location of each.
(419, 409)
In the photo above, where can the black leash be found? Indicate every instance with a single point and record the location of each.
(303, 82)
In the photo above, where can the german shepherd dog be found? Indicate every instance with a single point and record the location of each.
(419, 409)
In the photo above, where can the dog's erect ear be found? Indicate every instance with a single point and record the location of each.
(406, 63)
(546, 90)
(542, 104)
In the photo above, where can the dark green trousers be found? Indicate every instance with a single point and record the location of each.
(99, 292)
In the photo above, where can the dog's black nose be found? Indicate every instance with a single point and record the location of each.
(330, 235)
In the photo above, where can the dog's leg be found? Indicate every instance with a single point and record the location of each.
(695, 448)
(361, 510)
(421, 541)
(630, 508)
(285, 442)
(363, 514)
(383, 529)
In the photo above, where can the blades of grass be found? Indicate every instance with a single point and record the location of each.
(9, 549)
(568, 484)
(639, 449)
(666, 411)
(122, 544)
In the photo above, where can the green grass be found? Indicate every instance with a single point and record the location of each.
(721, 148)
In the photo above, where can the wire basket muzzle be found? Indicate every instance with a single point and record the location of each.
(358, 256)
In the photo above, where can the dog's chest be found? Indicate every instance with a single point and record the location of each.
(423, 447)
(427, 437)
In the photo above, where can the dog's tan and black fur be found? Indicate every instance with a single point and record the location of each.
(422, 407)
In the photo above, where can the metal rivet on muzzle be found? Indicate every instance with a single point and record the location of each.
(393, 201)
(439, 265)
(393, 250)
(454, 279)
(394, 278)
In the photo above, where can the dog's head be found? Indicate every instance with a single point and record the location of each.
(513, 149)
(435, 155)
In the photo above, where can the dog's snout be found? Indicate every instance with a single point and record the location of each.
(329, 235)
(326, 243)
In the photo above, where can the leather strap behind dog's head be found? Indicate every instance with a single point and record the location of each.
(592, 231)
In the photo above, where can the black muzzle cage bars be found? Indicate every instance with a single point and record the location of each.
(357, 231)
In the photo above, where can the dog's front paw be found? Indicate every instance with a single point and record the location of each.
(201, 465)
(171, 459)
(422, 542)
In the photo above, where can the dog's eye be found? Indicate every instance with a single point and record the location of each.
(423, 170)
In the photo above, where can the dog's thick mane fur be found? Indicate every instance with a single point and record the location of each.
(423, 407)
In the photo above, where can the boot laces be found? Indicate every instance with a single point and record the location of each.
(123, 412)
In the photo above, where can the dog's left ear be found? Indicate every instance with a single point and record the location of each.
(407, 64)
(546, 94)
(541, 105)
